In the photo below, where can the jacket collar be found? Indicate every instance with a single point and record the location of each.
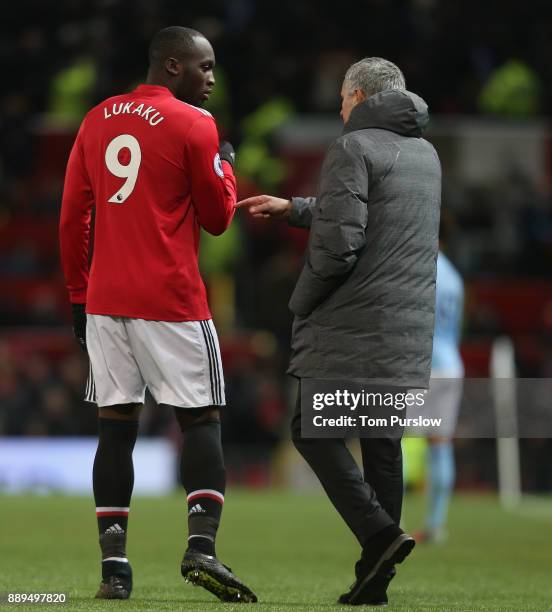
(402, 112)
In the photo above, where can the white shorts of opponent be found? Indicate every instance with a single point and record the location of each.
(442, 401)
(179, 363)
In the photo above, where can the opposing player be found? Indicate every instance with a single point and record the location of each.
(151, 165)
(444, 396)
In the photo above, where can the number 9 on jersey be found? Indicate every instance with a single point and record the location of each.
(130, 171)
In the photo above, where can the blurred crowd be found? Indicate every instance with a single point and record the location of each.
(275, 61)
(63, 57)
(450, 51)
(40, 398)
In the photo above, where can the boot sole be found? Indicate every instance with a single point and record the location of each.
(109, 594)
(225, 592)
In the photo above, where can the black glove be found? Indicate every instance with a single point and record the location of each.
(226, 152)
(79, 323)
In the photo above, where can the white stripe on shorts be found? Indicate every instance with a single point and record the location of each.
(90, 394)
(215, 369)
(218, 359)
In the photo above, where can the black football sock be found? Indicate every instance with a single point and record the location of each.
(203, 475)
(113, 480)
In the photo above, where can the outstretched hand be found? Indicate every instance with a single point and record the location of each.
(265, 206)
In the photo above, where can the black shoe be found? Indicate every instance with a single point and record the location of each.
(207, 571)
(379, 555)
(378, 591)
(114, 587)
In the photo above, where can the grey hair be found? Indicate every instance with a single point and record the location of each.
(374, 74)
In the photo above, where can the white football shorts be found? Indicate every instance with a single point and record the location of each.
(179, 363)
(443, 401)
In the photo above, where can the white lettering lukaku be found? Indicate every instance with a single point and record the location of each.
(150, 114)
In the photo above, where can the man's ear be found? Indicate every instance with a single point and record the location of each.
(359, 96)
(172, 66)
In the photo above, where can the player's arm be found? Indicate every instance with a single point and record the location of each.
(74, 225)
(338, 233)
(74, 235)
(298, 211)
(213, 184)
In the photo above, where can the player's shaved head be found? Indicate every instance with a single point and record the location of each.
(182, 60)
(174, 41)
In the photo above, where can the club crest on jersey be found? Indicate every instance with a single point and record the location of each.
(218, 166)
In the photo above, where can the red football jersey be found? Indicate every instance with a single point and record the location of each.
(149, 163)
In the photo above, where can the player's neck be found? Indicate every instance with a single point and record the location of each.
(156, 80)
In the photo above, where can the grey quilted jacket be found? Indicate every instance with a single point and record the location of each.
(365, 300)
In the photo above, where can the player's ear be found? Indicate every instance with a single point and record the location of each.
(172, 66)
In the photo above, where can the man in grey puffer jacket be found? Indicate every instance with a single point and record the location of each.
(364, 302)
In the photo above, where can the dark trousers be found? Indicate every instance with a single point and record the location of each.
(367, 504)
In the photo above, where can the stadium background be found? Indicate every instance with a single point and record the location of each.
(483, 67)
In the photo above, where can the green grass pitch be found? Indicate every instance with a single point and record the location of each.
(292, 550)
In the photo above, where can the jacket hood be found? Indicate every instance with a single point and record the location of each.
(402, 112)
